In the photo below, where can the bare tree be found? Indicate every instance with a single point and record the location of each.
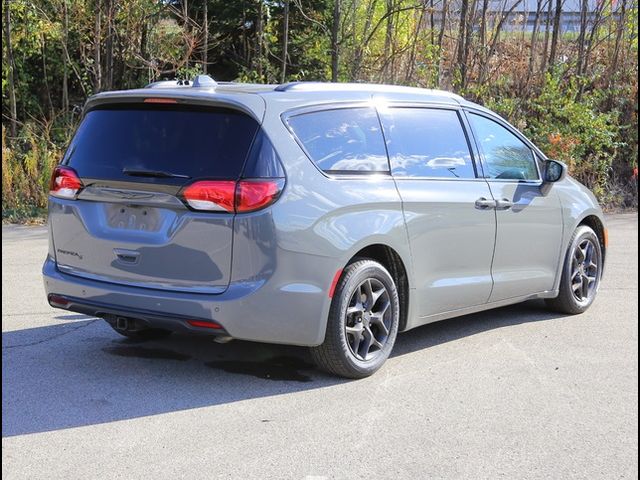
(108, 81)
(416, 38)
(387, 69)
(443, 26)
(11, 65)
(335, 30)
(534, 39)
(360, 46)
(285, 41)
(557, 26)
(547, 30)
(65, 66)
(97, 42)
(484, 69)
(461, 47)
(205, 47)
(622, 17)
(260, 37)
(582, 35)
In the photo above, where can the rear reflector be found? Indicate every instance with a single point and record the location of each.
(58, 301)
(204, 324)
(334, 282)
(160, 100)
(231, 196)
(65, 182)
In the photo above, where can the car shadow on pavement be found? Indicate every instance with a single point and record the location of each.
(80, 373)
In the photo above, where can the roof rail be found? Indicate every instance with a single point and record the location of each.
(330, 86)
(202, 81)
(363, 87)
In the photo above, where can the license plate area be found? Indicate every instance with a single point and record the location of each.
(133, 217)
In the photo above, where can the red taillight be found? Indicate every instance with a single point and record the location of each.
(256, 194)
(213, 195)
(65, 182)
(230, 196)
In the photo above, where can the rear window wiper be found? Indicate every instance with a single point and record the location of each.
(139, 172)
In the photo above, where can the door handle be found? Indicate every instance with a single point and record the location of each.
(504, 204)
(484, 204)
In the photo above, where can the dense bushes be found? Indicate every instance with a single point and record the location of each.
(576, 96)
(595, 138)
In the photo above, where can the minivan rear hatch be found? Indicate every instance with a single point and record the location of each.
(129, 224)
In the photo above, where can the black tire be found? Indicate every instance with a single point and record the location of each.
(143, 334)
(336, 355)
(573, 273)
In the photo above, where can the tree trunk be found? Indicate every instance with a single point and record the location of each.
(461, 48)
(534, 39)
(483, 25)
(468, 27)
(335, 28)
(584, 8)
(65, 66)
(443, 25)
(361, 45)
(97, 40)
(108, 83)
(556, 34)
(618, 42)
(547, 30)
(387, 71)
(285, 41)
(259, 39)
(205, 53)
(11, 65)
(45, 75)
(414, 44)
(432, 22)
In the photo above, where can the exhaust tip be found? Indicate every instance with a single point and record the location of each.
(222, 339)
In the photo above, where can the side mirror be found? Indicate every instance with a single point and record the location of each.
(554, 171)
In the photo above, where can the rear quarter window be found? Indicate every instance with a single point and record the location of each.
(346, 140)
(190, 141)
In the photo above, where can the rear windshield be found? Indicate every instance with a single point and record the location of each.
(193, 143)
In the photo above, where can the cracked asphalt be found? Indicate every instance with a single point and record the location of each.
(517, 392)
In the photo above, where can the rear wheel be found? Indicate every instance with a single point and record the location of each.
(363, 322)
(581, 273)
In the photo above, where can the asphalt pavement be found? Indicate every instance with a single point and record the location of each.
(518, 392)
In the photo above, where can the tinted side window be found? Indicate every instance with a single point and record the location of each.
(426, 142)
(506, 156)
(342, 140)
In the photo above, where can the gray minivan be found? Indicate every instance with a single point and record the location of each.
(326, 215)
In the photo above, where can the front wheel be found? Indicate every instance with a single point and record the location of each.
(581, 273)
(363, 322)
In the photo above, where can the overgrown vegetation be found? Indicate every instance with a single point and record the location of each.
(575, 93)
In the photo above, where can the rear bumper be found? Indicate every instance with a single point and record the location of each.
(293, 314)
(143, 318)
